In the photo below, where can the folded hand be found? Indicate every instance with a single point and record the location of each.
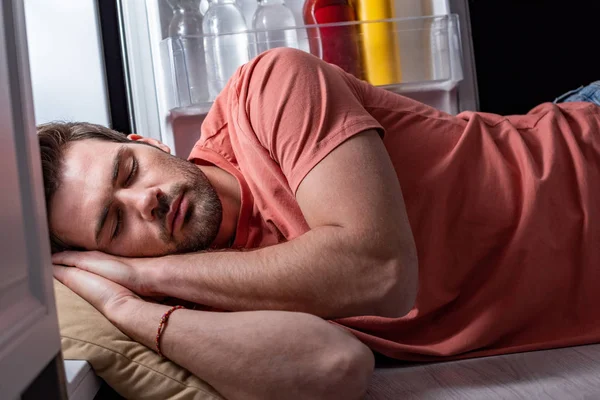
(106, 296)
(135, 274)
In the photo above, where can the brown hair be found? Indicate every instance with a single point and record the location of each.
(54, 139)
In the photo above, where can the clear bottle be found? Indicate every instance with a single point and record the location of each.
(274, 23)
(226, 42)
(188, 52)
(248, 8)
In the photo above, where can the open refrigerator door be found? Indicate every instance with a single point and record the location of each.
(172, 79)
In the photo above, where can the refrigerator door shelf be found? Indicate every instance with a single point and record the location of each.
(424, 54)
(183, 124)
(428, 57)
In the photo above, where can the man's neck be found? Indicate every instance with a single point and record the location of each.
(228, 190)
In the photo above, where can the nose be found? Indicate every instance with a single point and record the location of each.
(143, 201)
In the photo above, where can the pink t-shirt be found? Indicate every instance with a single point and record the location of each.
(503, 209)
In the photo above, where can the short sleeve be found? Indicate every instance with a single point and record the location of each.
(299, 108)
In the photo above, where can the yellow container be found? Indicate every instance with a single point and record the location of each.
(380, 50)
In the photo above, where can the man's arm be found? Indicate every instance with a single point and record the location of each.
(245, 355)
(359, 257)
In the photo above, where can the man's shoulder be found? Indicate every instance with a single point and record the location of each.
(215, 120)
(214, 134)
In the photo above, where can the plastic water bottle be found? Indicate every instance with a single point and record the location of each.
(248, 8)
(226, 42)
(274, 23)
(188, 52)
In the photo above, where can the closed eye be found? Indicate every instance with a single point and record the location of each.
(118, 225)
(128, 181)
(132, 172)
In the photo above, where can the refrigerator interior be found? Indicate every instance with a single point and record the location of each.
(429, 37)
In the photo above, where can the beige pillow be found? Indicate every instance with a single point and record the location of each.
(131, 369)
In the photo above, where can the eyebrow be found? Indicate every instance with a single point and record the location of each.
(115, 174)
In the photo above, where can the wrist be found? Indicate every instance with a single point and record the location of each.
(120, 311)
(138, 319)
(152, 271)
(166, 274)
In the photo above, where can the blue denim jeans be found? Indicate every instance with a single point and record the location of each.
(589, 93)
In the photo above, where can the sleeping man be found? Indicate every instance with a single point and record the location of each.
(328, 219)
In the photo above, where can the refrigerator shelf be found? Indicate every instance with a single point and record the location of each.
(408, 89)
(415, 55)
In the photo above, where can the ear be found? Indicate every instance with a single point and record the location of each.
(150, 141)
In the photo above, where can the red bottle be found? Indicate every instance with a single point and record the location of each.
(337, 45)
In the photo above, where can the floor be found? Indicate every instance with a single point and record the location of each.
(561, 374)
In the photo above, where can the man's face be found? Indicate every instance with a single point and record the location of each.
(133, 200)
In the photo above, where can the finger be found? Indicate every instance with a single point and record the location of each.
(79, 258)
(98, 263)
(96, 290)
(87, 285)
(87, 260)
(60, 273)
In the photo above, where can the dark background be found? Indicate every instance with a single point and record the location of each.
(530, 51)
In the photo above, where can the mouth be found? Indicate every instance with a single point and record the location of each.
(174, 214)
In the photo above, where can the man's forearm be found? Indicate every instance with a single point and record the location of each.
(322, 272)
(256, 355)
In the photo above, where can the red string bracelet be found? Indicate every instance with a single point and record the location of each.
(162, 325)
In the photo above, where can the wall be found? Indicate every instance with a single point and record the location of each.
(65, 53)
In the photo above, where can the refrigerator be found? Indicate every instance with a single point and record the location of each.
(150, 95)
(145, 94)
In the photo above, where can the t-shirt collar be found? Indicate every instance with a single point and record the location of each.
(203, 156)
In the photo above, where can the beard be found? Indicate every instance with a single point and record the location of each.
(203, 217)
